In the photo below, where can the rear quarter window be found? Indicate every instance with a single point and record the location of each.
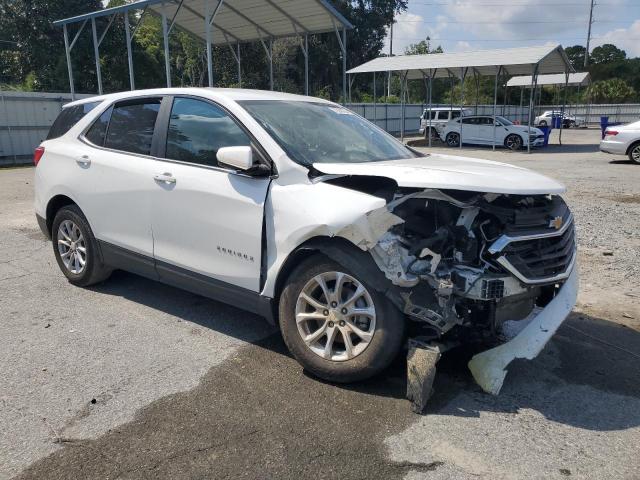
(68, 117)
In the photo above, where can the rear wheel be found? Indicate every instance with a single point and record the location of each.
(634, 153)
(513, 142)
(543, 123)
(339, 328)
(76, 249)
(453, 139)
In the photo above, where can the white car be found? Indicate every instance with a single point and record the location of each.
(623, 140)
(299, 210)
(479, 130)
(439, 117)
(568, 120)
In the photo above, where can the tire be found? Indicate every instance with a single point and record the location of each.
(434, 134)
(513, 142)
(382, 332)
(634, 153)
(70, 234)
(453, 139)
(543, 123)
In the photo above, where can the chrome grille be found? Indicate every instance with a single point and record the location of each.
(538, 258)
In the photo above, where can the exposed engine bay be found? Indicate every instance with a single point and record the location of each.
(465, 264)
(474, 260)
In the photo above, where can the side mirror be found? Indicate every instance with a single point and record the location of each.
(238, 157)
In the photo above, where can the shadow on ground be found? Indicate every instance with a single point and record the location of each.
(259, 416)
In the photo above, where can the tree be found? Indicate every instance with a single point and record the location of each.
(422, 48)
(607, 53)
(576, 56)
(614, 90)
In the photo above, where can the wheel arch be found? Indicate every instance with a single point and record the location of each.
(632, 146)
(344, 252)
(54, 205)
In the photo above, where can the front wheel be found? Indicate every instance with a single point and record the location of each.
(453, 139)
(634, 153)
(335, 325)
(543, 123)
(513, 142)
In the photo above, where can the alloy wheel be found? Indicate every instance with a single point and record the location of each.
(453, 139)
(635, 154)
(72, 247)
(513, 142)
(335, 316)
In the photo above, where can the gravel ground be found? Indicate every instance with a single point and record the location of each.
(133, 379)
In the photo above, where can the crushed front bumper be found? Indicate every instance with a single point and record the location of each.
(489, 367)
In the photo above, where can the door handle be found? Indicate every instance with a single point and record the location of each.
(165, 178)
(83, 161)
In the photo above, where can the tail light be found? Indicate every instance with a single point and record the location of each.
(610, 132)
(37, 155)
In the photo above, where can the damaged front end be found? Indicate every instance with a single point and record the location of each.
(472, 267)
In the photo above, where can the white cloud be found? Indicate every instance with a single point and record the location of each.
(627, 39)
(407, 30)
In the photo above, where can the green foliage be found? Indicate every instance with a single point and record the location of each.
(576, 56)
(422, 48)
(614, 90)
(607, 53)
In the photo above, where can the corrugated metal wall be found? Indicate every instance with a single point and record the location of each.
(25, 118)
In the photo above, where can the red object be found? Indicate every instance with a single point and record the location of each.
(610, 132)
(37, 155)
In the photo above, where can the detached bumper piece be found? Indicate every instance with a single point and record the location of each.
(489, 367)
(421, 370)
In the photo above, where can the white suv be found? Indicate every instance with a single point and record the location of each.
(438, 118)
(304, 212)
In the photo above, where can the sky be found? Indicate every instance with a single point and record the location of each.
(466, 25)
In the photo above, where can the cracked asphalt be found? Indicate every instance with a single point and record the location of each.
(134, 379)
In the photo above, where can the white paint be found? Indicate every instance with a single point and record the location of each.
(452, 172)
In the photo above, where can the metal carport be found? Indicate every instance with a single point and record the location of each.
(579, 79)
(509, 61)
(219, 22)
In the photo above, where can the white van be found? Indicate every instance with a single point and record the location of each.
(440, 116)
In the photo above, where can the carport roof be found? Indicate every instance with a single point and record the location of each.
(238, 20)
(514, 61)
(575, 80)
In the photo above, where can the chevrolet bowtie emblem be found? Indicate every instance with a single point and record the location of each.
(556, 223)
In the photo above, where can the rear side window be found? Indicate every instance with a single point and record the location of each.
(98, 131)
(198, 129)
(131, 126)
(455, 114)
(68, 117)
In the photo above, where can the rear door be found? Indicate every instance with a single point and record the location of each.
(207, 218)
(469, 129)
(119, 168)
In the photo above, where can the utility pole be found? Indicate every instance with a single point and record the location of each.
(391, 55)
(586, 52)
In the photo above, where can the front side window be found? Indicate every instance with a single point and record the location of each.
(197, 129)
(313, 132)
(131, 126)
(68, 117)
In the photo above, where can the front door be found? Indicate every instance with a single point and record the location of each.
(206, 218)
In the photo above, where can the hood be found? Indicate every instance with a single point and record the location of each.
(448, 172)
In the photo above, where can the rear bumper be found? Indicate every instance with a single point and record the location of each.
(489, 367)
(615, 148)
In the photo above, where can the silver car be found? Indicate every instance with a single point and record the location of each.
(623, 140)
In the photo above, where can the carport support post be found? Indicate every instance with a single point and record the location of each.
(463, 75)
(430, 105)
(207, 29)
(306, 64)
(67, 53)
(534, 85)
(127, 31)
(344, 63)
(495, 103)
(96, 54)
(564, 103)
(165, 38)
(375, 106)
(271, 64)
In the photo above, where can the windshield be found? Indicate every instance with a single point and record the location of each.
(324, 133)
(504, 121)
